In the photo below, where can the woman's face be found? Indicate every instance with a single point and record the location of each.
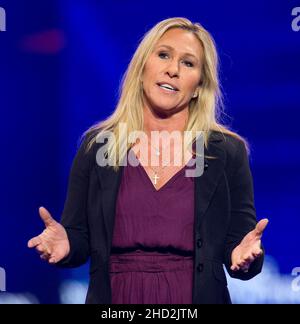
(172, 72)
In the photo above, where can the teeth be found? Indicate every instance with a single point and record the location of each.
(167, 86)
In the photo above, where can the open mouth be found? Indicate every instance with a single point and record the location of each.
(167, 87)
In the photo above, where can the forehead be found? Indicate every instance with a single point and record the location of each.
(182, 41)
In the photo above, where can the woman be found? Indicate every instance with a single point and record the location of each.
(155, 235)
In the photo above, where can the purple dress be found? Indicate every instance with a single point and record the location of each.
(152, 255)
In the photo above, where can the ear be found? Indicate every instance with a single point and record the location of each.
(196, 93)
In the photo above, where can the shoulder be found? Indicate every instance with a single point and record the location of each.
(85, 152)
(87, 144)
(234, 146)
(228, 141)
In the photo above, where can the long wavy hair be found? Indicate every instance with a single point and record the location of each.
(205, 111)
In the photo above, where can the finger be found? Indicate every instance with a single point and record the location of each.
(260, 226)
(46, 216)
(258, 253)
(46, 248)
(236, 265)
(45, 256)
(52, 260)
(233, 266)
(43, 248)
(40, 249)
(250, 259)
(34, 242)
(241, 264)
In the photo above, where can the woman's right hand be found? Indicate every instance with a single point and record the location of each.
(52, 244)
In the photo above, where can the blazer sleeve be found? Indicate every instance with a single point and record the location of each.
(74, 216)
(243, 214)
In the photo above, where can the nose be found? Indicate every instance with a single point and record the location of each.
(173, 69)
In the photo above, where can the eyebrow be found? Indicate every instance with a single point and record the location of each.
(172, 49)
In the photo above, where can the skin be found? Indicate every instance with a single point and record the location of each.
(52, 244)
(177, 59)
(170, 63)
(249, 249)
(166, 111)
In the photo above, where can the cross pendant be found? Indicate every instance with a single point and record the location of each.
(155, 178)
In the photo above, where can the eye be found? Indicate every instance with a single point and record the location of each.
(188, 63)
(165, 55)
(162, 55)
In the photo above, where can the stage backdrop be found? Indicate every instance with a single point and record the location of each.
(61, 63)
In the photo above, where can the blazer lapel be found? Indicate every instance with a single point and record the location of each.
(206, 184)
(110, 182)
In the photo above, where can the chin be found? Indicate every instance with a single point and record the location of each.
(161, 106)
(164, 109)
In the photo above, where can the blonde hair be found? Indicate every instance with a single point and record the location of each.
(204, 110)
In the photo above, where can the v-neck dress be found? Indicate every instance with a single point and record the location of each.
(152, 254)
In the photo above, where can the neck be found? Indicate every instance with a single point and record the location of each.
(170, 123)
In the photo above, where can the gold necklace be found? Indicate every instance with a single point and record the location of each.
(156, 176)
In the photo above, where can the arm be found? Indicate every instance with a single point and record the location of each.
(243, 219)
(74, 216)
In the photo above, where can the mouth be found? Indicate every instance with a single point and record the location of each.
(168, 87)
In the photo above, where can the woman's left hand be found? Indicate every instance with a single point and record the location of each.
(249, 249)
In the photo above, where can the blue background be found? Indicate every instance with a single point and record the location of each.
(61, 63)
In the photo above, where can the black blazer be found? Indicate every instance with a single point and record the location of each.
(224, 213)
